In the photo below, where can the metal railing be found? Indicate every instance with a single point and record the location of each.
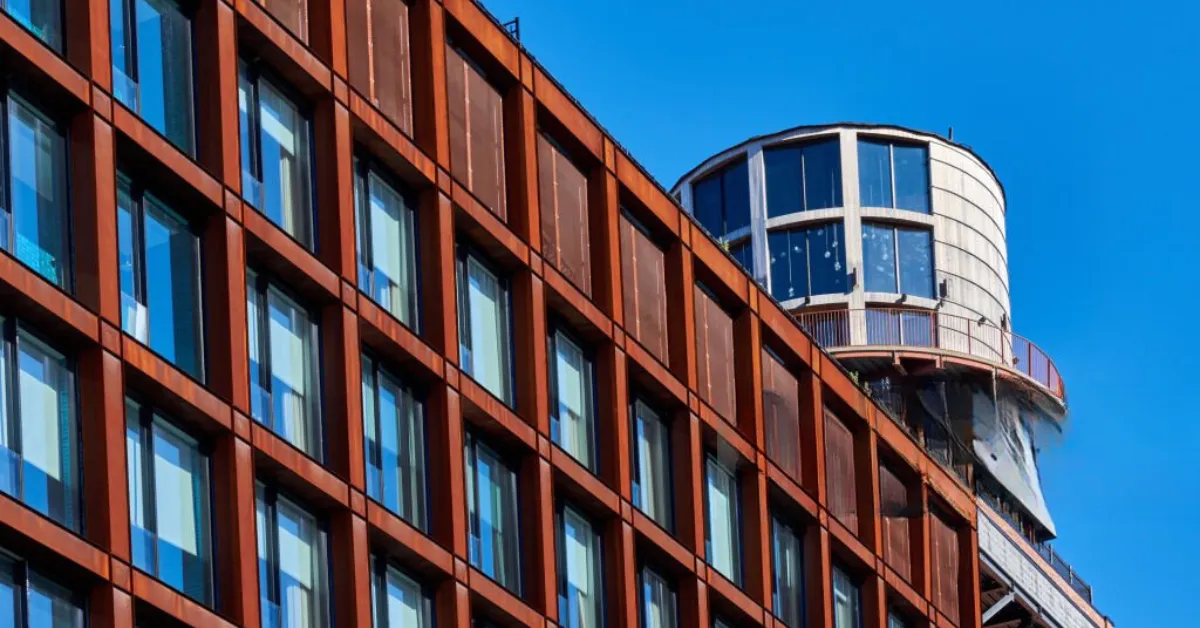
(935, 330)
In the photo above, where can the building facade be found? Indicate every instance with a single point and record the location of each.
(888, 245)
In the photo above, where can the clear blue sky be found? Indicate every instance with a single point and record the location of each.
(1086, 111)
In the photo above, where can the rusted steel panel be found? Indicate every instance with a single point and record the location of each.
(390, 61)
(894, 509)
(714, 355)
(839, 471)
(643, 282)
(293, 14)
(358, 46)
(781, 415)
(945, 559)
(563, 192)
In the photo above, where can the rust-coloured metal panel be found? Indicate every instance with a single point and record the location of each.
(714, 355)
(839, 471)
(944, 558)
(894, 510)
(643, 272)
(781, 415)
(563, 194)
(391, 57)
(476, 132)
(359, 44)
(293, 14)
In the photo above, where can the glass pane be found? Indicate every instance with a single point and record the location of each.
(299, 567)
(788, 572)
(405, 604)
(39, 205)
(42, 17)
(743, 253)
(879, 265)
(48, 432)
(260, 394)
(652, 491)
(362, 226)
(915, 250)
(579, 594)
(658, 601)
(788, 252)
(723, 540)
(874, 174)
(894, 621)
(845, 601)
(487, 305)
(181, 512)
(573, 414)
(826, 259)
(265, 543)
(172, 287)
(141, 532)
(53, 606)
(10, 457)
(496, 519)
(124, 85)
(292, 393)
(247, 106)
(164, 70)
(785, 181)
(286, 180)
(912, 177)
(823, 175)
(11, 594)
(392, 249)
(736, 191)
(370, 432)
(706, 204)
(133, 313)
(402, 442)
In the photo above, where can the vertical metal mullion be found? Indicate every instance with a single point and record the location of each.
(146, 427)
(377, 447)
(131, 56)
(896, 257)
(368, 225)
(5, 141)
(137, 199)
(23, 568)
(892, 171)
(275, 584)
(262, 296)
(14, 355)
(803, 182)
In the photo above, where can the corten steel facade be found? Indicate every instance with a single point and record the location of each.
(522, 248)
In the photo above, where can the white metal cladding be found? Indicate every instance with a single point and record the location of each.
(967, 219)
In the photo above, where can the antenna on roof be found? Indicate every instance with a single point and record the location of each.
(951, 134)
(513, 27)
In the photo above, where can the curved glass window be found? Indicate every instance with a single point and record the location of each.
(721, 200)
(744, 254)
(801, 177)
(893, 175)
(807, 261)
(898, 260)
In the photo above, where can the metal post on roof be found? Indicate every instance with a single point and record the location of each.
(513, 27)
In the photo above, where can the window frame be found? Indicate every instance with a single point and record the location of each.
(802, 145)
(364, 166)
(738, 577)
(720, 174)
(59, 43)
(597, 570)
(555, 329)
(855, 599)
(270, 497)
(12, 94)
(891, 144)
(133, 62)
(464, 254)
(777, 523)
(12, 334)
(472, 445)
(837, 225)
(895, 229)
(137, 197)
(636, 462)
(149, 416)
(255, 73)
(644, 571)
(263, 283)
(422, 514)
(26, 579)
(379, 567)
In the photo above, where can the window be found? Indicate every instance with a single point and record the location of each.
(651, 465)
(152, 65)
(802, 177)
(492, 506)
(580, 604)
(721, 200)
(276, 157)
(846, 610)
(39, 432)
(484, 328)
(33, 220)
(394, 426)
(29, 599)
(895, 621)
(723, 545)
(787, 560)
(572, 400)
(387, 253)
(807, 261)
(169, 503)
(292, 569)
(890, 171)
(658, 601)
(476, 130)
(283, 374)
(397, 601)
(380, 65)
(562, 189)
(891, 252)
(743, 253)
(42, 17)
(160, 278)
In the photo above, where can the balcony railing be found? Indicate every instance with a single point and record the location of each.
(933, 330)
